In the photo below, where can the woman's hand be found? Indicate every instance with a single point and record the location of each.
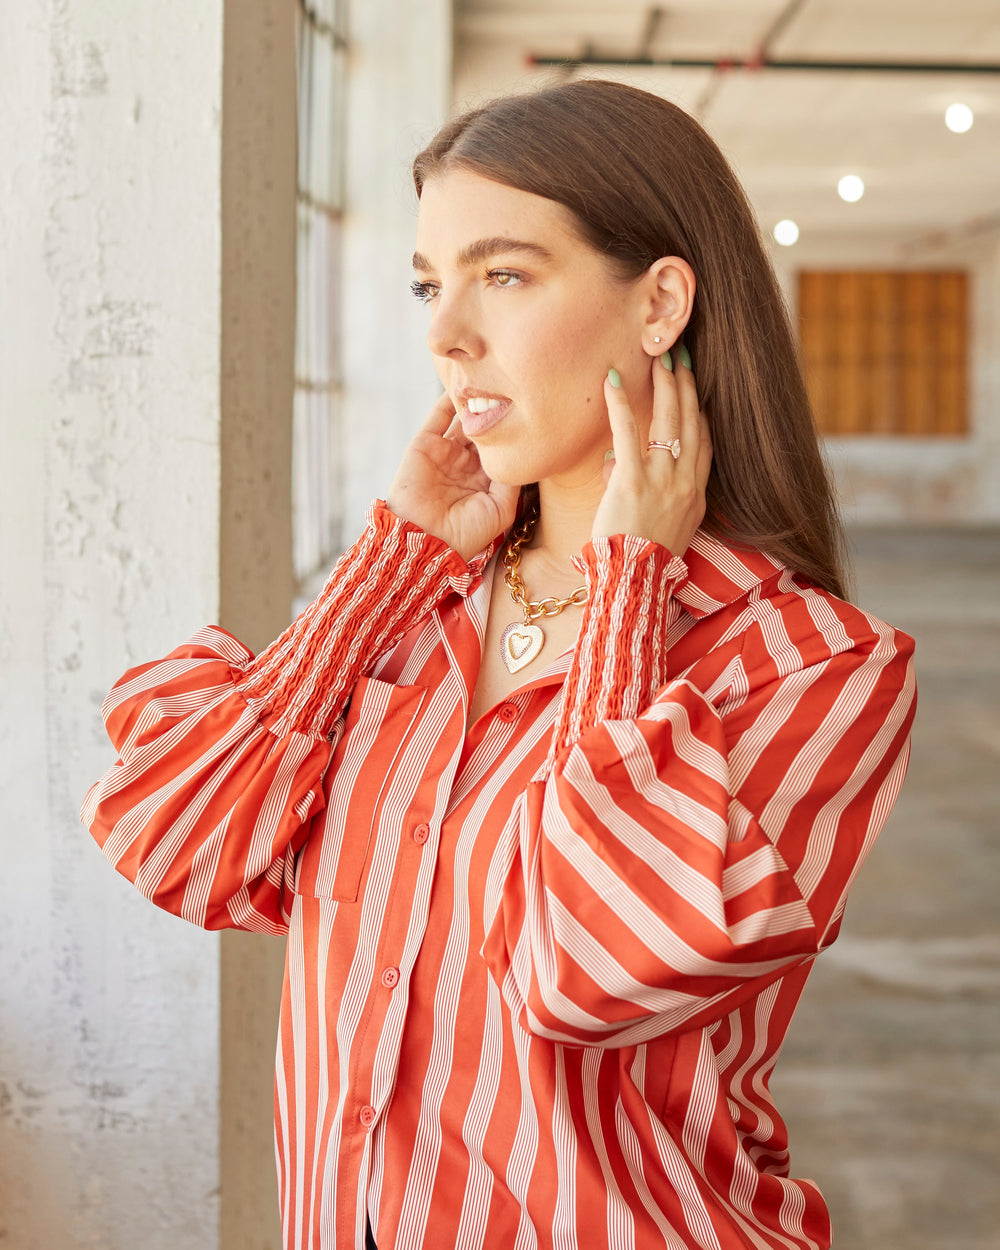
(441, 486)
(648, 492)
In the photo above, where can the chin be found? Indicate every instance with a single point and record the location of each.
(507, 467)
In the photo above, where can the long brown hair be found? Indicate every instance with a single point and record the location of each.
(644, 180)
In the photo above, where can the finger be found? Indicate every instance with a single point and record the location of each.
(505, 497)
(666, 423)
(692, 427)
(457, 434)
(687, 387)
(440, 417)
(624, 430)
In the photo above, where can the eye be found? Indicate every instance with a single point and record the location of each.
(423, 291)
(504, 277)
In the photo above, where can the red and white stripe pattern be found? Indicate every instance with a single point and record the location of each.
(538, 974)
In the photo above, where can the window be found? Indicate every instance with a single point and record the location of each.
(885, 352)
(316, 493)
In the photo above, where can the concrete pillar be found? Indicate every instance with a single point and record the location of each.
(257, 351)
(145, 365)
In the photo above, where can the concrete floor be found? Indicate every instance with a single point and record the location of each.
(890, 1078)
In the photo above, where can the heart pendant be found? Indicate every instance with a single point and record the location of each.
(519, 645)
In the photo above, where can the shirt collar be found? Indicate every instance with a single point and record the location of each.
(719, 574)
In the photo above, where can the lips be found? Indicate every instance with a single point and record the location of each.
(479, 411)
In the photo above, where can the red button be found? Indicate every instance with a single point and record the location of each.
(508, 712)
(367, 1116)
(421, 834)
(390, 977)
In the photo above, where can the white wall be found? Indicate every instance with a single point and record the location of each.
(146, 372)
(109, 194)
(147, 262)
(940, 481)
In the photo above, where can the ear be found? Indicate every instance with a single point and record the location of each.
(668, 288)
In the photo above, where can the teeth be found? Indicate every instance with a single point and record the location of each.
(477, 403)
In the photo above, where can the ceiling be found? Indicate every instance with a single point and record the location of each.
(791, 134)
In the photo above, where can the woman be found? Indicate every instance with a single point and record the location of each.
(553, 875)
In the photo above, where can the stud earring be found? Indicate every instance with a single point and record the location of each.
(657, 339)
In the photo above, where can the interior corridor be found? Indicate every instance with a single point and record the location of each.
(890, 1078)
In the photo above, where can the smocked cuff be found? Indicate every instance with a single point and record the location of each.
(620, 661)
(389, 580)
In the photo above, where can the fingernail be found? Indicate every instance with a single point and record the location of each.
(666, 362)
(615, 378)
(685, 356)
(609, 455)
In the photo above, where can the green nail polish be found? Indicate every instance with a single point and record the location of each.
(615, 378)
(609, 455)
(666, 362)
(685, 356)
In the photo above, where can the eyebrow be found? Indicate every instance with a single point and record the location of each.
(484, 249)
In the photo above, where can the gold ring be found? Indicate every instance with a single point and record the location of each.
(673, 447)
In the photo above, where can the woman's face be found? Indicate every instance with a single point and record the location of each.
(525, 321)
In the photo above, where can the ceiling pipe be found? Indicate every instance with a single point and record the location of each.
(762, 50)
(754, 64)
(940, 240)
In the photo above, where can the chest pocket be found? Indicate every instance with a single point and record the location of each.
(376, 728)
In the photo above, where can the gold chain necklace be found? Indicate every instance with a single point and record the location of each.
(521, 640)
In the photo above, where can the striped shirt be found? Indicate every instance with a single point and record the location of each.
(540, 967)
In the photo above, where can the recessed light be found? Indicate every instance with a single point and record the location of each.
(959, 118)
(851, 188)
(786, 232)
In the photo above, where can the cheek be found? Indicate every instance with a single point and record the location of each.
(599, 336)
(557, 354)
(596, 345)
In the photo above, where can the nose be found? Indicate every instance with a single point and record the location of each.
(453, 333)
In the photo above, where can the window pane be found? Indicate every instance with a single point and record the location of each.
(316, 441)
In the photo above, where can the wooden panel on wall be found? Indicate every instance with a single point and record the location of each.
(885, 352)
(953, 337)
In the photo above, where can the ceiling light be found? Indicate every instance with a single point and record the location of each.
(786, 233)
(959, 118)
(851, 188)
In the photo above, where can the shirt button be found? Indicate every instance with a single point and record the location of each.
(367, 1116)
(508, 712)
(390, 977)
(421, 834)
